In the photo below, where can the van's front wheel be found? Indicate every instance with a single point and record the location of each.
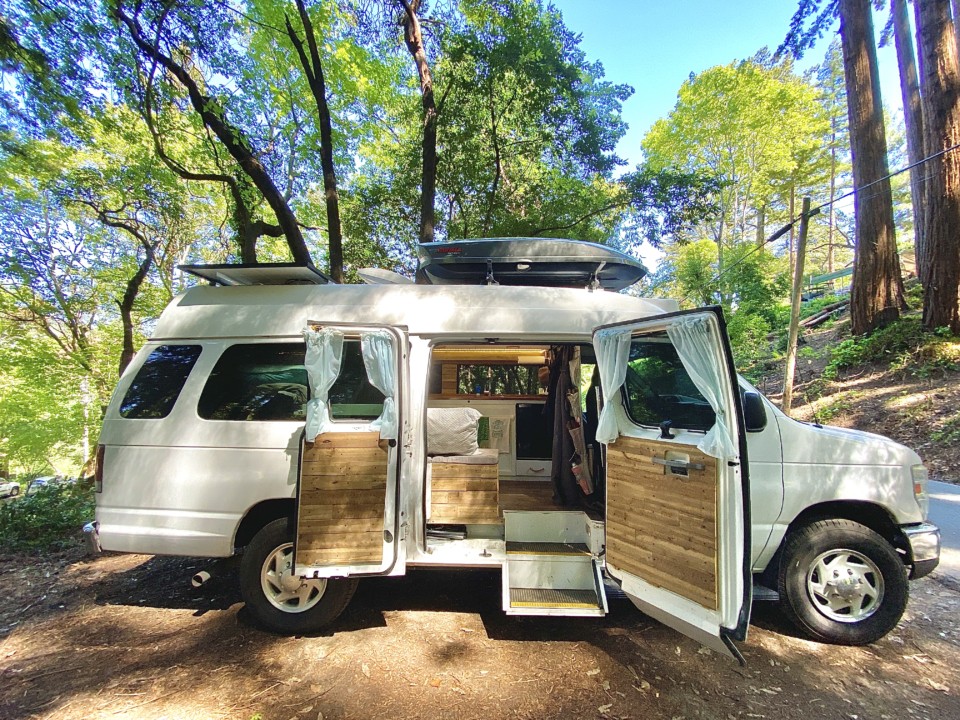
(842, 583)
(279, 600)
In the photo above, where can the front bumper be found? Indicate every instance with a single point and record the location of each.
(924, 541)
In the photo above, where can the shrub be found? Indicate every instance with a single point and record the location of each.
(903, 345)
(50, 519)
(748, 340)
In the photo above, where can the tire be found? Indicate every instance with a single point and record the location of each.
(842, 583)
(15, 491)
(278, 601)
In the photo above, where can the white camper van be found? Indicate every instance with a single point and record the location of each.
(571, 437)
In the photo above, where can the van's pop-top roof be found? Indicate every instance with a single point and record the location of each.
(473, 310)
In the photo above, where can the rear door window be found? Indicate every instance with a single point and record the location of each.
(158, 383)
(658, 387)
(352, 397)
(257, 381)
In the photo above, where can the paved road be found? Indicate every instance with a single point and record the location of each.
(945, 513)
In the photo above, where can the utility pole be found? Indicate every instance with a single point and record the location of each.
(791, 363)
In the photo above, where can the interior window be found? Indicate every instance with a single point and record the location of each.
(499, 380)
(658, 387)
(352, 397)
(257, 382)
(158, 383)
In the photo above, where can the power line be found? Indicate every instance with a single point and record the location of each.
(816, 210)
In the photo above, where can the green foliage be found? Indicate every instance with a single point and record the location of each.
(49, 519)
(748, 339)
(903, 345)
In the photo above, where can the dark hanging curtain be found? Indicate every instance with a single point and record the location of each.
(566, 491)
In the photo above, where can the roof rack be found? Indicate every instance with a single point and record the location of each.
(259, 274)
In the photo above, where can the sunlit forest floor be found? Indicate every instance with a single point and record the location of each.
(908, 399)
(127, 637)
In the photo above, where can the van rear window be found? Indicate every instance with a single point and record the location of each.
(158, 383)
(257, 381)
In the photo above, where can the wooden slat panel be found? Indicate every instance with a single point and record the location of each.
(355, 556)
(343, 440)
(663, 527)
(448, 378)
(453, 484)
(449, 514)
(335, 526)
(344, 466)
(342, 500)
(457, 470)
(331, 483)
(468, 498)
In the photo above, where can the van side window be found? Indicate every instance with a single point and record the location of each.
(352, 397)
(658, 387)
(158, 382)
(257, 381)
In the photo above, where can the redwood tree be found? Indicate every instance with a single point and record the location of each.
(877, 292)
(940, 89)
(913, 121)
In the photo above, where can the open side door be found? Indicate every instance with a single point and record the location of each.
(347, 488)
(677, 522)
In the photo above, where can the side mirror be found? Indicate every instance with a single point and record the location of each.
(754, 414)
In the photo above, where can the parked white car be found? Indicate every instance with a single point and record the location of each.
(9, 488)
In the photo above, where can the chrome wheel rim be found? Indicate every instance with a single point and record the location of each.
(845, 585)
(284, 590)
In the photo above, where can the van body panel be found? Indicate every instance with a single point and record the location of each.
(766, 486)
(475, 311)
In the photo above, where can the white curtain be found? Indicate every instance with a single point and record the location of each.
(691, 338)
(613, 351)
(323, 356)
(381, 364)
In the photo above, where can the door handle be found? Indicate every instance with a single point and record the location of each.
(686, 465)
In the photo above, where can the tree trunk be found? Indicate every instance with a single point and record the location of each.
(428, 182)
(832, 216)
(231, 137)
(955, 6)
(940, 90)
(314, 72)
(913, 121)
(127, 350)
(761, 226)
(877, 294)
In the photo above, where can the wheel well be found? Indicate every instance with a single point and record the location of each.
(866, 513)
(260, 515)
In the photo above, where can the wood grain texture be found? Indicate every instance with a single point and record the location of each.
(342, 497)
(662, 527)
(464, 494)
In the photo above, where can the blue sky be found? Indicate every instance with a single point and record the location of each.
(654, 45)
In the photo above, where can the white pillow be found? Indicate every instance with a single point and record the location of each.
(452, 431)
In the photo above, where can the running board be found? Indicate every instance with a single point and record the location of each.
(550, 567)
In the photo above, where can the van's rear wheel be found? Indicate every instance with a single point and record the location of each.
(842, 583)
(279, 600)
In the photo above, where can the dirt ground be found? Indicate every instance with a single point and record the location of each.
(915, 409)
(125, 636)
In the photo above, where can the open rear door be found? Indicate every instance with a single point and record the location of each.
(677, 523)
(349, 462)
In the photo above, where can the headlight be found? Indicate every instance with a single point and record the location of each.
(919, 475)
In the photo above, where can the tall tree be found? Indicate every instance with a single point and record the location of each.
(413, 38)
(313, 69)
(214, 116)
(913, 121)
(877, 292)
(940, 90)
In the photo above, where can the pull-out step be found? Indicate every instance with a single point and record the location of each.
(550, 568)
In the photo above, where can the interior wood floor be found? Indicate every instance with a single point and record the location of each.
(526, 495)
